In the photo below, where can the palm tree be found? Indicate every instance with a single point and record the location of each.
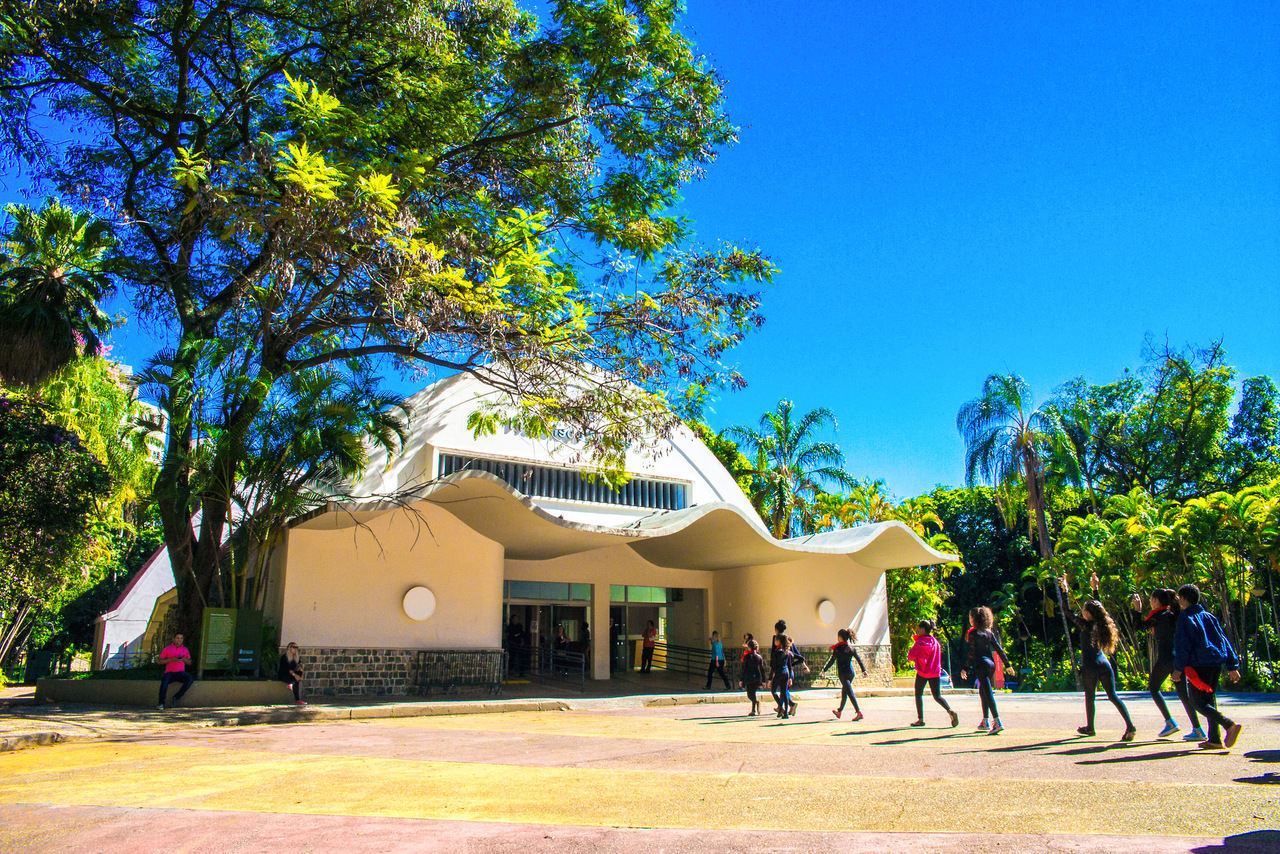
(54, 268)
(1004, 438)
(792, 465)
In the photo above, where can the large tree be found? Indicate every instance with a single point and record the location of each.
(794, 465)
(1005, 438)
(311, 186)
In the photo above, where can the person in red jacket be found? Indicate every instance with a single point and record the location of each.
(926, 654)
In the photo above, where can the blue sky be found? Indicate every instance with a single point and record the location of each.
(952, 190)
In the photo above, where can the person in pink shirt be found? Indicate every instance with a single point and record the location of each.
(175, 657)
(926, 654)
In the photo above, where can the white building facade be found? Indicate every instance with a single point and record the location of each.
(490, 528)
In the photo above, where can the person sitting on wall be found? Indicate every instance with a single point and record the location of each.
(650, 641)
(290, 672)
(175, 657)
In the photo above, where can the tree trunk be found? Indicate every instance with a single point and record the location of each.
(15, 629)
(1035, 503)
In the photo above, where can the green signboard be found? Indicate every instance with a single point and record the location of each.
(218, 639)
(248, 641)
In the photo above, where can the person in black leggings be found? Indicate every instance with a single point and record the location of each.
(843, 655)
(984, 646)
(1098, 639)
(1201, 653)
(1161, 621)
(752, 674)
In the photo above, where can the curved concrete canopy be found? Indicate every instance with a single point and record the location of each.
(706, 536)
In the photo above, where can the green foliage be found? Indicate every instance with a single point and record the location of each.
(54, 268)
(48, 499)
(792, 466)
(726, 451)
(329, 185)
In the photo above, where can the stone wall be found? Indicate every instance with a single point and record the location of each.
(376, 672)
(878, 660)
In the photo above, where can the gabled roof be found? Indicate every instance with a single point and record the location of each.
(707, 536)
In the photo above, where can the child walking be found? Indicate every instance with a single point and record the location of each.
(926, 653)
(1200, 652)
(843, 655)
(1162, 622)
(784, 660)
(984, 646)
(1098, 639)
(752, 674)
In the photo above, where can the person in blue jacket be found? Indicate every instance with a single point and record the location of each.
(1200, 652)
(716, 664)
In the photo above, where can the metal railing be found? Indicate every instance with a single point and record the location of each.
(548, 664)
(437, 669)
(693, 661)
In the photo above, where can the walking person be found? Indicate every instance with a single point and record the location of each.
(1200, 652)
(650, 643)
(984, 646)
(290, 672)
(843, 655)
(175, 657)
(794, 658)
(1098, 639)
(926, 654)
(716, 664)
(1162, 621)
(782, 663)
(752, 674)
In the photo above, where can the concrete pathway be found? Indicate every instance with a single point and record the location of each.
(612, 774)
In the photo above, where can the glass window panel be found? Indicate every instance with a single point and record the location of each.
(580, 592)
(617, 593)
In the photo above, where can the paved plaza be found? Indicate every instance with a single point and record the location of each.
(614, 774)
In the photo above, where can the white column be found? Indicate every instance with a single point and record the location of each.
(600, 650)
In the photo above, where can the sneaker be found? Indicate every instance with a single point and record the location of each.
(301, 703)
(996, 728)
(1129, 735)
(1196, 734)
(835, 712)
(1233, 732)
(984, 724)
(917, 723)
(160, 707)
(955, 719)
(1169, 729)
(792, 710)
(1085, 730)
(1211, 745)
(856, 717)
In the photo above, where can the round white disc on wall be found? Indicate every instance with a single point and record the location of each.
(826, 611)
(419, 603)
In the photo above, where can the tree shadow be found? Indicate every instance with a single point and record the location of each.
(869, 731)
(1254, 842)
(722, 718)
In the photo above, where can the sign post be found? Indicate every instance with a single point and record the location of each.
(217, 640)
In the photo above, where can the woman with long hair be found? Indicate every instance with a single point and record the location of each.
(984, 646)
(843, 655)
(1162, 621)
(1098, 639)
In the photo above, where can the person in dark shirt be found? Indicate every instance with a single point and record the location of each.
(1162, 621)
(984, 646)
(290, 672)
(1201, 651)
(752, 674)
(1098, 639)
(843, 655)
(784, 659)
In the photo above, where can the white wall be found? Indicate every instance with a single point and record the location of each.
(345, 588)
